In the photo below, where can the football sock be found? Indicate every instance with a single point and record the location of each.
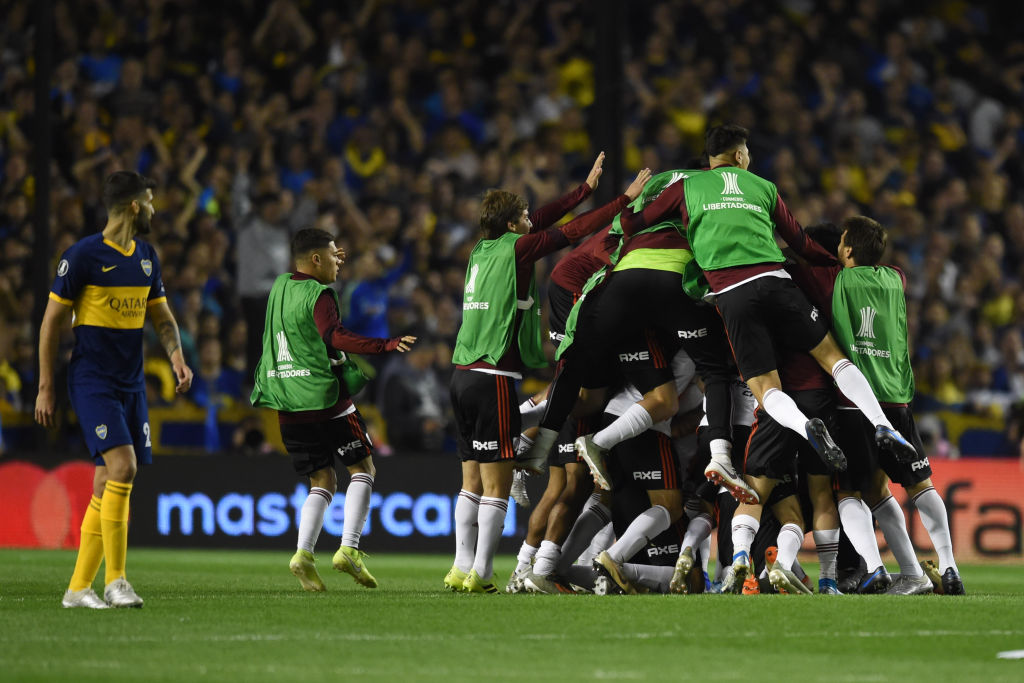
(530, 413)
(698, 530)
(655, 578)
(859, 528)
(603, 540)
(646, 526)
(791, 537)
(854, 385)
(547, 558)
(595, 516)
(784, 410)
(114, 523)
(933, 514)
(827, 544)
(357, 506)
(491, 518)
(543, 442)
(721, 447)
(798, 570)
(894, 527)
(581, 575)
(466, 529)
(634, 422)
(705, 553)
(526, 553)
(311, 518)
(90, 548)
(744, 528)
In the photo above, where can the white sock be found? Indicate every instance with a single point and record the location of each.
(648, 576)
(697, 530)
(933, 515)
(634, 422)
(595, 516)
(705, 553)
(547, 558)
(646, 526)
(603, 540)
(894, 527)
(784, 410)
(854, 385)
(526, 553)
(744, 528)
(857, 524)
(791, 537)
(530, 413)
(311, 519)
(491, 518)
(721, 447)
(466, 528)
(357, 506)
(827, 544)
(542, 443)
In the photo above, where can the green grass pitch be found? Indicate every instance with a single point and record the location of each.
(240, 616)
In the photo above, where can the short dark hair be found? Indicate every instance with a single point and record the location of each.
(310, 239)
(725, 138)
(828, 235)
(497, 210)
(866, 239)
(121, 188)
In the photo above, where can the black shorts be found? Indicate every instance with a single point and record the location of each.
(772, 449)
(855, 435)
(561, 301)
(564, 450)
(315, 445)
(766, 313)
(647, 461)
(486, 415)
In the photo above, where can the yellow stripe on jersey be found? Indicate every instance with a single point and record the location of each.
(158, 300)
(61, 300)
(120, 308)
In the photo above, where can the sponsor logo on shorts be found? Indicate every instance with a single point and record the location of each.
(660, 550)
(814, 312)
(351, 446)
(566, 448)
(647, 476)
(693, 334)
(554, 336)
(101, 431)
(630, 357)
(485, 445)
(918, 465)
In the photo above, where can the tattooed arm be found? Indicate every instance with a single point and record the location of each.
(167, 329)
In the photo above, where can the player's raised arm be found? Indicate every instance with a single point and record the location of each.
(549, 214)
(167, 329)
(55, 319)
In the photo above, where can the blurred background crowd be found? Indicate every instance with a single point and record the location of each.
(383, 121)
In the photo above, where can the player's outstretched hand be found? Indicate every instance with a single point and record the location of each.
(596, 171)
(401, 344)
(184, 375)
(46, 403)
(635, 187)
(340, 254)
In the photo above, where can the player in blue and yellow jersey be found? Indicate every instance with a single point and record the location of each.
(107, 283)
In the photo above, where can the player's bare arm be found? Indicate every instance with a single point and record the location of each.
(167, 329)
(595, 173)
(55, 320)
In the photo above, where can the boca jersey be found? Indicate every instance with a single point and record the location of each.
(109, 289)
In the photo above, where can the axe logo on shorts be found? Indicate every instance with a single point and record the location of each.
(647, 476)
(659, 550)
(693, 334)
(485, 445)
(630, 357)
(918, 465)
(566, 448)
(351, 446)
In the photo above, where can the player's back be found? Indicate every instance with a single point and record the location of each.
(110, 290)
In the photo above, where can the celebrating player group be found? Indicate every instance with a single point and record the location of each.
(706, 379)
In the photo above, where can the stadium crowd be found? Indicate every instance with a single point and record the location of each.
(383, 122)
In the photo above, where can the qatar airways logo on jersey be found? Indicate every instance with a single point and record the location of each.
(128, 306)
